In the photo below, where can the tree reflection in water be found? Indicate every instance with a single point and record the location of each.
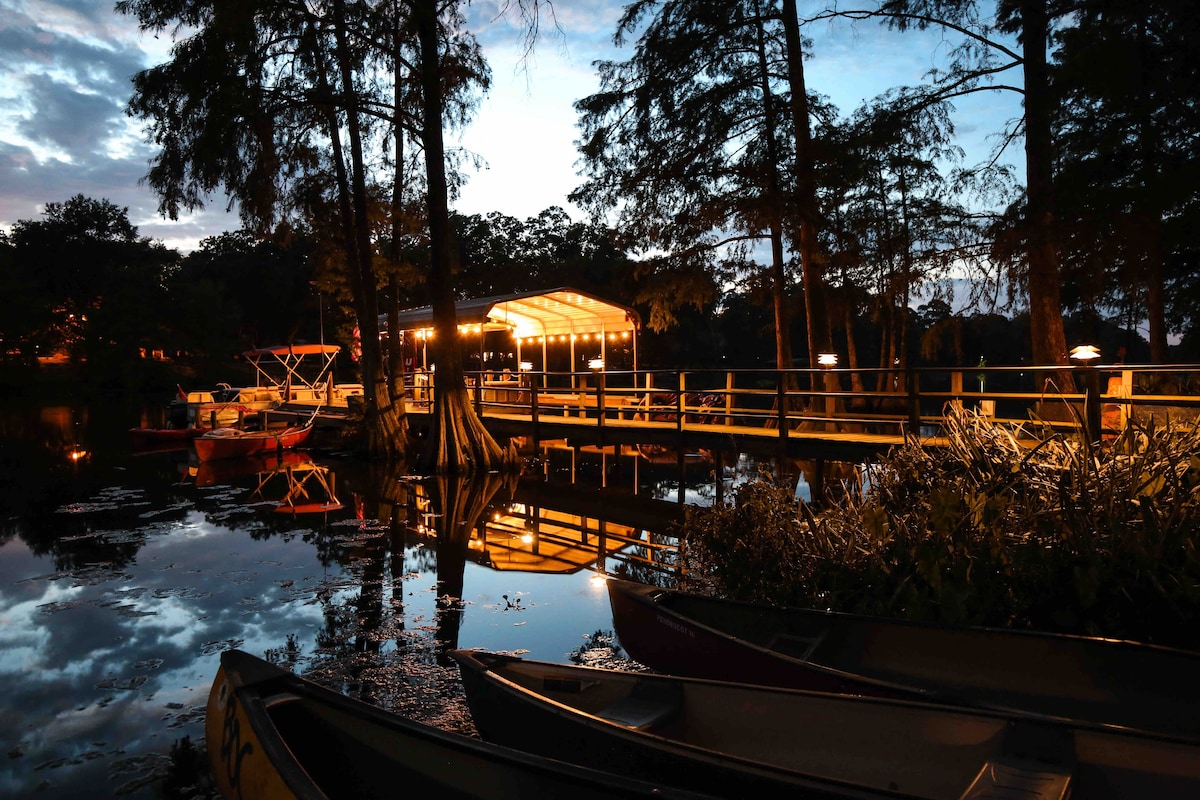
(123, 577)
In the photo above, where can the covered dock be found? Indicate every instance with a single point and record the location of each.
(562, 330)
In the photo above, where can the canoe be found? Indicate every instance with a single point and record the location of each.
(1129, 684)
(273, 735)
(758, 741)
(162, 438)
(233, 443)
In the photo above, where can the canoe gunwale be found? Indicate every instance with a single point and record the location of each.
(654, 626)
(260, 689)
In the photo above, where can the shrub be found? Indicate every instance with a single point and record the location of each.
(1000, 527)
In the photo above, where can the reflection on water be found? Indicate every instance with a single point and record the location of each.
(123, 576)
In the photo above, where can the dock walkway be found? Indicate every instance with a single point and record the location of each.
(810, 413)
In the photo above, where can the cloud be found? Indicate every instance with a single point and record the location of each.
(77, 123)
(65, 70)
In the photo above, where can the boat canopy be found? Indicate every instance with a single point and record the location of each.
(279, 366)
(556, 312)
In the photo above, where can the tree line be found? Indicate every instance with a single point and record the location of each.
(717, 179)
(85, 287)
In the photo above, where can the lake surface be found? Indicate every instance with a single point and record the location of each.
(124, 575)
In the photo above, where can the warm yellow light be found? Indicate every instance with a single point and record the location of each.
(598, 580)
(527, 538)
(827, 359)
(1085, 353)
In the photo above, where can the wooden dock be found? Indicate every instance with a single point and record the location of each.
(810, 414)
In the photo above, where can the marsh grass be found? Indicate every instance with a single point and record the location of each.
(1009, 527)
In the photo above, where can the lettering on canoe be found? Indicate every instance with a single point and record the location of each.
(233, 750)
(678, 627)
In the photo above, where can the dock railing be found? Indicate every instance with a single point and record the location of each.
(897, 402)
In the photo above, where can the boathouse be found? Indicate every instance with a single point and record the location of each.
(564, 330)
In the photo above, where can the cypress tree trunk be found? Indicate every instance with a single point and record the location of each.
(385, 421)
(459, 443)
(806, 192)
(1049, 341)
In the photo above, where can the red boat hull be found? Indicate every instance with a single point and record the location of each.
(237, 444)
(162, 438)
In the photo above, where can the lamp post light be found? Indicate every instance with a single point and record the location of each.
(596, 365)
(1084, 357)
(829, 362)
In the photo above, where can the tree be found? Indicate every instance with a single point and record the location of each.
(218, 290)
(1125, 84)
(83, 282)
(685, 142)
(892, 222)
(501, 255)
(980, 56)
(274, 102)
(459, 442)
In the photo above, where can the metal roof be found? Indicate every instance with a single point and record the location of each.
(546, 313)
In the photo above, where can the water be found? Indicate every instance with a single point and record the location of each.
(124, 576)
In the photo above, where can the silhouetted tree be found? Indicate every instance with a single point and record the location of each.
(82, 281)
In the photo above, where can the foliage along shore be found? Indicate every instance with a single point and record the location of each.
(1058, 535)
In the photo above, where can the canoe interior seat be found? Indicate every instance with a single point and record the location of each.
(1034, 763)
(646, 707)
(800, 647)
(1003, 780)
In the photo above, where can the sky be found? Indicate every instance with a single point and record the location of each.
(66, 66)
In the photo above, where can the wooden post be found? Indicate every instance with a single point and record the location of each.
(729, 397)
(780, 406)
(534, 380)
(600, 403)
(914, 402)
(1091, 402)
(1126, 392)
(679, 406)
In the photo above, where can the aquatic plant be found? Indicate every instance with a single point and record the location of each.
(1016, 527)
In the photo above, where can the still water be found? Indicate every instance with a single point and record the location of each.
(124, 575)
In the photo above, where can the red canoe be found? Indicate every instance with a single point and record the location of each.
(232, 443)
(1096, 681)
(162, 438)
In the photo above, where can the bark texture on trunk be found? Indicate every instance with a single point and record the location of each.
(459, 442)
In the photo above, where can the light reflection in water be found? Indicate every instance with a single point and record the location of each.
(123, 576)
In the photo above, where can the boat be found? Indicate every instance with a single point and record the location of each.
(757, 741)
(1134, 685)
(158, 439)
(282, 376)
(234, 443)
(273, 735)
